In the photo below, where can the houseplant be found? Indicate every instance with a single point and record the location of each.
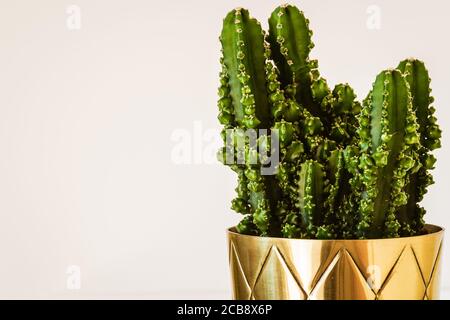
(329, 187)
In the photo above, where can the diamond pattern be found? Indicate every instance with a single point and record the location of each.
(342, 264)
(406, 274)
(273, 273)
(241, 287)
(310, 269)
(433, 284)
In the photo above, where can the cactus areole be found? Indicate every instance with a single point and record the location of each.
(343, 169)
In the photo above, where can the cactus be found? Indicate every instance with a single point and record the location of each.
(244, 104)
(388, 139)
(345, 169)
(416, 75)
(243, 75)
(290, 39)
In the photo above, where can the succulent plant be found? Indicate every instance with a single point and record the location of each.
(345, 169)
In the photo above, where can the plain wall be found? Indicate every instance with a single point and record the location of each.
(89, 120)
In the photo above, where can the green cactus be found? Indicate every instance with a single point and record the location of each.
(345, 169)
(416, 75)
(388, 139)
(311, 195)
(243, 79)
(244, 103)
(290, 40)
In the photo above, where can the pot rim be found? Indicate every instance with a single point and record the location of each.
(433, 230)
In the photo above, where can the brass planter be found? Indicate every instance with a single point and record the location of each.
(299, 269)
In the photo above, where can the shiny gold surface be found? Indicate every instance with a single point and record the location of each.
(276, 268)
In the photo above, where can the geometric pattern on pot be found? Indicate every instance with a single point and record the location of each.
(277, 268)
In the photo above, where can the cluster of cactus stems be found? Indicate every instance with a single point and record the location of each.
(346, 169)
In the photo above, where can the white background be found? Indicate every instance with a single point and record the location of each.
(87, 118)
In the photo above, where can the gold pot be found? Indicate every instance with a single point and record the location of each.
(299, 269)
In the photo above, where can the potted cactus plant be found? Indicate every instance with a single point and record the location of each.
(329, 188)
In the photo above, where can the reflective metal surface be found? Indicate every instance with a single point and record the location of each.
(276, 268)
